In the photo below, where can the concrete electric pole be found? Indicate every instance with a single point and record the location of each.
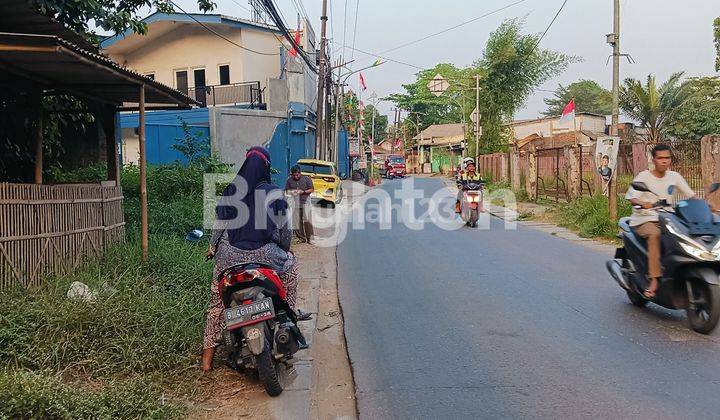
(615, 41)
(320, 146)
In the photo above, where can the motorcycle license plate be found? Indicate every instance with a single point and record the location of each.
(239, 316)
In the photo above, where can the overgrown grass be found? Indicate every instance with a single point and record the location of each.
(590, 216)
(145, 326)
(131, 352)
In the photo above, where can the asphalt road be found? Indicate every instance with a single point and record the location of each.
(510, 324)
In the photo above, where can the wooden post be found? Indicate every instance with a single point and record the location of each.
(38, 139)
(112, 157)
(710, 166)
(531, 178)
(515, 169)
(574, 172)
(143, 177)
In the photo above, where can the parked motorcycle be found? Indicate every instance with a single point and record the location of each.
(471, 203)
(690, 261)
(261, 328)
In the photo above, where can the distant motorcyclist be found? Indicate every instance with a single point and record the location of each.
(468, 176)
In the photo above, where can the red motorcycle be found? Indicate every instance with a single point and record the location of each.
(261, 328)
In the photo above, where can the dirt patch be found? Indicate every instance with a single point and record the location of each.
(228, 394)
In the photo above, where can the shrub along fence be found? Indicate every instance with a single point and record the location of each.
(52, 228)
(566, 173)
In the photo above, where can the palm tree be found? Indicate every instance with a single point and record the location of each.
(653, 107)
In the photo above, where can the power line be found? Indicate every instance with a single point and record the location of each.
(345, 29)
(549, 26)
(242, 6)
(271, 9)
(357, 6)
(209, 29)
(385, 58)
(454, 27)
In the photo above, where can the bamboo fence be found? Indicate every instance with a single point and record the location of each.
(53, 228)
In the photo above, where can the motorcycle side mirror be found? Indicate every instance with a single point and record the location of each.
(640, 186)
(714, 187)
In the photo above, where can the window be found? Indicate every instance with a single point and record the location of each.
(199, 78)
(315, 169)
(150, 76)
(181, 80)
(225, 74)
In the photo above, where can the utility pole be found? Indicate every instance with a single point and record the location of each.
(477, 117)
(320, 147)
(612, 190)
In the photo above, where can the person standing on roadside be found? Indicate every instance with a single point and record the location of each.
(300, 187)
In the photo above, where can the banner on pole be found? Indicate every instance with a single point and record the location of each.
(354, 147)
(606, 153)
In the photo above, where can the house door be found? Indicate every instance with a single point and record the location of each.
(200, 90)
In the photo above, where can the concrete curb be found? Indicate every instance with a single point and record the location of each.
(301, 382)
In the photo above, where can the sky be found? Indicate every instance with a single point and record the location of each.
(662, 36)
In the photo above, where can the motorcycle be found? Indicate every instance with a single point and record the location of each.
(690, 260)
(261, 328)
(471, 203)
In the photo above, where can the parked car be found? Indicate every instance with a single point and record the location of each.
(326, 181)
(394, 167)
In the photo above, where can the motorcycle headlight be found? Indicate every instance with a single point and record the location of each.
(691, 246)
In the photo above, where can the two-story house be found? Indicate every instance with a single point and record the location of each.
(250, 88)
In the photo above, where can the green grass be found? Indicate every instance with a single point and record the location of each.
(590, 216)
(133, 352)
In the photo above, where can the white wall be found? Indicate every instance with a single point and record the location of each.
(551, 126)
(189, 47)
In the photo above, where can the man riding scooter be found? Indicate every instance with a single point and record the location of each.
(644, 220)
(468, 176)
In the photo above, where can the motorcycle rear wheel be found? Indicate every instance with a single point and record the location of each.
(703, 318)
(267, 370)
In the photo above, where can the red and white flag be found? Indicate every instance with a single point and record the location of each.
(362, 82)
(293, 51)
(568, 114)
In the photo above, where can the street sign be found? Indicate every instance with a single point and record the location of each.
(438, 85)
(474, 116)
(354, 147)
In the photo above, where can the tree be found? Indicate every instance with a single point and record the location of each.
(428, 108)
(511, 67)
(116, 16)
(381, 123)
(589, 97)
(654, 107)
(717, 43)
(700, 115)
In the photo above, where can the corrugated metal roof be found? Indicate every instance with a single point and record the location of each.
(54, 63)
(442, 130)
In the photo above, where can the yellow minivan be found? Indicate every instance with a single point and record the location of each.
(325, 180)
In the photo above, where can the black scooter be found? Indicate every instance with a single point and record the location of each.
(690, 261)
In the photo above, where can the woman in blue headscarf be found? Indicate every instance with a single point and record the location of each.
(246, 233)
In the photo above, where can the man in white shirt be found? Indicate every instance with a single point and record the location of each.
(663, 183)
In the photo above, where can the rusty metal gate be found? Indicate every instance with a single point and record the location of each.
(552, 174)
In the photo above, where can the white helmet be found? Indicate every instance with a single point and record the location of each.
(466, 161)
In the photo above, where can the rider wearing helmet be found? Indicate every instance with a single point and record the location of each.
(469, 175)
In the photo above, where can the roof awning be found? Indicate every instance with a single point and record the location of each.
(56, 64)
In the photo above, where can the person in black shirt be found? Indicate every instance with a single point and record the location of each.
(300, 186)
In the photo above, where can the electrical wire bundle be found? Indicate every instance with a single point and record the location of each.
(274, 14)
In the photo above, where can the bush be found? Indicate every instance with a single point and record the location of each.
(591, 216)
